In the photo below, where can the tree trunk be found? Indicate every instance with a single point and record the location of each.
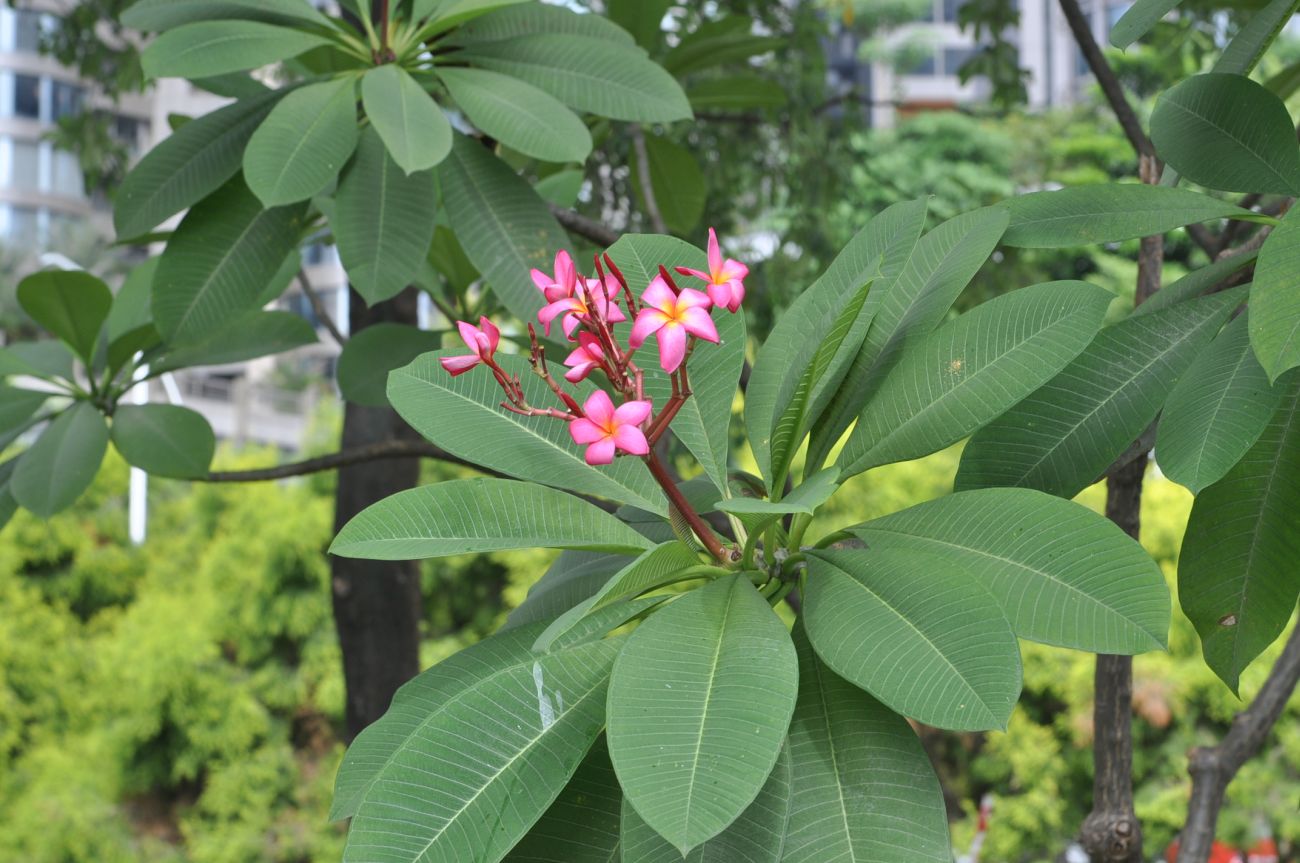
(376, 603)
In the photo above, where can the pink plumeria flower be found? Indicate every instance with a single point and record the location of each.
(482, 340)
(671, 317)
(564, 282)
(585, 359)
(606, 429)
(574, 308)
(725, 278)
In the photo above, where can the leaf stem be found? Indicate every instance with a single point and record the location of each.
(702, 530)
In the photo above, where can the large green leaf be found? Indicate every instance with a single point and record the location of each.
(1227, 132)
(370, 354)
(699, 702)
(17, 407)
(504, 227)
(71, 304)
(589, 74)
(158, 15)
(130, 309)
(196, 160)
(916, 632)
(207, 48)
(303, 143)
(480, 514)
(757, 836)
(243, 337)
(1088, 215)
(473, 751)
(804, 498)
(225, 252)
(533, 18)
(1216, 412)
(704, 421)
(167, 440)
(1246, 48)
(1138, 19)
(876, 251)
(1064, 436)
(574, 576)
(1274, 300)
(676, 180)
(1062, 574)
(383, 220)
(911, 302)
(1237, 575)
(972, 369)
(864, 790)
(414, 129)
(463, 415)
(46, 358)
(582, 825)
(518, 114)
(62, 463)
(1195, 283)
(735, 92)
(452, 13)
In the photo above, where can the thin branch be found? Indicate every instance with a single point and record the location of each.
(356, 455)
(1106, 78)
(318, 306)
(647, 185)
(579, 224)
(1212, 768)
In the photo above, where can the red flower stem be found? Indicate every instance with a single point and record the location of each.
(539, 412)
(702, 530)
(668, 277)
(618, 274)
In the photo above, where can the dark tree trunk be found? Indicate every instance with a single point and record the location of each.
(376, 604)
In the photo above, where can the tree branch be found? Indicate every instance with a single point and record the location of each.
(1106, 78)
(647, 186)
(356, 455)
(318, 306)
(590, 229)
(1214, 767)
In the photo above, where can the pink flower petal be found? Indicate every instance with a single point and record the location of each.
(614, 314)
(493, 334)
(540, 279)
(715, 253)
(599, 409)
(721, 295)
(648, 321)
(579, 372)
(633, 413)
(698, 323)
(591, 345)
(672, 346)
(468, 334)
(565, 274)
(571, 322)
(585, 431)
(687, 271)
(459, 365)
(658, 295)
(691, 299)
(733, 270)
(550, 312)
(601, 452)
(631, 439)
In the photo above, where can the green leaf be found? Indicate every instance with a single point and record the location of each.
(130, 309)
(414, 129)
(207, 48)
(582, 825)
(879, 250)
(480, 514)
(8, 506)
(533, 18)
(561, 188)
(62, 463)
(1064, 436)
(370, 354)
(642, 18)
(718, 43)
(225, 252)
(757, 836)
(655, 568)
(676, 180)
(47, 358)
(519, 115)
(972, 369)
(1285, 83)
(505, 229)
(704, 421)
(1229, 133)
(473, 751)
(1063, 574)
(383, 221)
(864, 789)
(699, 702)
(1195, 283)
(463, 415)
(574, 576)
(588, 74)
(188, 165)
(915, 631)
(71, 304)
(1237, 579)
(452, 13)
(1274, 300)
(1138, 20)
(735, 92)
(1216, 412)
(805, 498)
(303, 143)
(166, 440)
(911, 301)
(245, 336)
(1243, 53)
(1088, 215)
(158, 15)
(17, 407)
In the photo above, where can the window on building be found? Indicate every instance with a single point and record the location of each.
(24, 226)
(27, 30)
(66, 177)
(25, 165)
(27, 96)
(65, 100)
(924, 64)
(955, 58)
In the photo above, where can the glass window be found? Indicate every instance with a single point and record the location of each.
(24, 226)
(950, 8)
(27, 96)
(27, 30)
(66, 178)
(65, 100)
(924, 65)
(25, 165)
(955, 58)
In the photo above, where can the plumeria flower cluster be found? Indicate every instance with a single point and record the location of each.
(587, 310)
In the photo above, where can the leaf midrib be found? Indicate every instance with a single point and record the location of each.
(708, 699)
(1245, 145)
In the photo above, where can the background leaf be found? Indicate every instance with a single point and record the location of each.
(207, 48)
(303, 143)
(62, 463)
(71, 304)
(1138, 20)
(1275, 303)
(244, 337)
(370, 354)
(166, 440)
(676, 180)
(412, 125)
(159, 15)
(574, 576)
(532, 18)
(518, 114)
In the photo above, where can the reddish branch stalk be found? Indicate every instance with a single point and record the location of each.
(702, 530)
